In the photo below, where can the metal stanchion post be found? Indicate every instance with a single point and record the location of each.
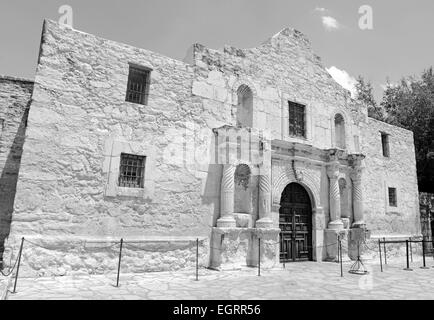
(340, 255)
(197, 259)
(384, 247)
(119, 263)
(423, 253)
(411, 249)
(379, 250)
(18, 266)
(339, 248)
(432, 245)
(408, 263)
(259, 257)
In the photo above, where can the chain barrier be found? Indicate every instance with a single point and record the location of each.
(190, 242)
(132, 246)
(278, 242)
(367, 247)
(48, 248)
(7, 274)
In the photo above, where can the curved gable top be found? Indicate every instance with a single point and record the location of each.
(292, 45)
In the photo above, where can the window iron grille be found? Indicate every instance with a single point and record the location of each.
(132, 171)
(296, 119)
(138, 85)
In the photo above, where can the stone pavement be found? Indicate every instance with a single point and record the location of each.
(303, 280)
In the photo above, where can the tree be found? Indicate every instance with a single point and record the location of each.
(410, 104)
(364, 94)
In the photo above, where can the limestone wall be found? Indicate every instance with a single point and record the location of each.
(78, 124)
(15, 95)
(397, 171)
(283, 68)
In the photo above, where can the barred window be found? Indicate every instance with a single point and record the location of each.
(392, 197)
(385, 144)
(296, 119)
(138, 85)
(132, 171)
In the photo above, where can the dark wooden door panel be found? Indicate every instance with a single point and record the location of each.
(295, 221)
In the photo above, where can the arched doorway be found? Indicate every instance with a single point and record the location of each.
(295, 222)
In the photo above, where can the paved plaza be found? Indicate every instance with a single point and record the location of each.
(304, 280)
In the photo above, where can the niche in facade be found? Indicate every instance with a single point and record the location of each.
(242, 192)
(339, 131)
(345, 200)
(245, 107)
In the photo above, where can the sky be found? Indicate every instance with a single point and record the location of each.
(400, 42)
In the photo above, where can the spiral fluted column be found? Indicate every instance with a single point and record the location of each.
(356, 177)
(265, 220)
(227, 219)
(335, 199)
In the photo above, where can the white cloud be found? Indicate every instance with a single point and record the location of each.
(330, 23)
(344, 79)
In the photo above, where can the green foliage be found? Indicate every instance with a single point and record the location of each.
(410, 104)
(364, 94)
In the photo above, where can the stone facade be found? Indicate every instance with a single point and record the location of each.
(15, 95)
(200, 181)
(397, 171)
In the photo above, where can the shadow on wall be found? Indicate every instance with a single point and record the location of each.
(8, 181)
(211, 194)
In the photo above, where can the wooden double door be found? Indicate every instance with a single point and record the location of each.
(295, 222)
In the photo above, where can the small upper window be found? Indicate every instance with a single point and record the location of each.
(138, 85)
(132, 171)
(297, 116)
(392, 197)
(385, 144)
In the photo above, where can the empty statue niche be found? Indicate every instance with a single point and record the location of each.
(344, 190)
(340, 131)
(245, 107)
(245, 196)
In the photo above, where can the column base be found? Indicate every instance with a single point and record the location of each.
(359, 224)
(226, 222)
(331, 244)
(336, 225)
(264, 223)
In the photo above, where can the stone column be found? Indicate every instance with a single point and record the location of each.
(335, 198)
(227, 219)
(265, 220)
(356, 177)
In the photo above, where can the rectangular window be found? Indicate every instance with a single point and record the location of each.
(2, 122)
(138, 85)
(385, 144)
(392, 197)
(132, 171)
(296, 119)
